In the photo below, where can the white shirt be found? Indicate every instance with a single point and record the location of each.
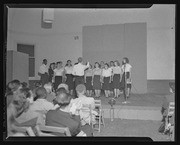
(117, 70)
(97, 71)
(58, 72)
(78, 69)
(107, 72)
(127, 67)
(69, 69)
(78, 104)
(43, 68)
(41, 105)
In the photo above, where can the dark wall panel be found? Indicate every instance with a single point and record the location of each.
(113, 42)
(136, 50)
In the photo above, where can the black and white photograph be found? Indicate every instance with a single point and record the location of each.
(90, 72)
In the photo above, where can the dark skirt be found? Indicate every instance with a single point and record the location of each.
(111, 86)
(58, 80)
(69, 81)
(78, 80)
(106, 84)
(88, 83)
(116, 81)
(122, 84)
(96, 82)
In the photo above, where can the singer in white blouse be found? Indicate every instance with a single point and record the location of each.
(106, 79)
(117, 72)
(58, 74)
(126, 78)
(69, 76)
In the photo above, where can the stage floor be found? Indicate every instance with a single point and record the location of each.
(147, 100)
(140, 106)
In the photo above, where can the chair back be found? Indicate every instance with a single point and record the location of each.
(51, 129)
(86, 109)
(27, 130)
(171, 108)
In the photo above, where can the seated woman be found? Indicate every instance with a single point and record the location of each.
(25, 114)
(61, 117)
(16, 105)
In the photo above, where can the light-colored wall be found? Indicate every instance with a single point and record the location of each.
(24, 25)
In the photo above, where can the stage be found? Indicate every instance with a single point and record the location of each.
(140, 107)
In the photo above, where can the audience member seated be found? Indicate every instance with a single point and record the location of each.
(34, 114)
(50, 95)
(16, 107)
(78, 103)
(61, 117)
(167, 100)
(40, 103)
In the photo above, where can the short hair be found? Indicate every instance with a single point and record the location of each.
(80, 59)
(40, 92)
(37, 84)
(62, 98)
(96, 63)
(65, 86)
(61, 90)
(59, 62)
(127, 60)
(24, 84)
(117, 62)
(80, 88)
(68, 61)
(106, 64)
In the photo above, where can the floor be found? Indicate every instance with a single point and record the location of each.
(131, 128)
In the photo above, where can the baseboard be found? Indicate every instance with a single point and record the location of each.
(158, 86)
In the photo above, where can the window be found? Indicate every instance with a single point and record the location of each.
(28, 49)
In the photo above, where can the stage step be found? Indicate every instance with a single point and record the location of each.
(133, 112)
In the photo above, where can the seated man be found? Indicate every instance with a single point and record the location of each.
(78, 103)
(41, 103)
(61, 117)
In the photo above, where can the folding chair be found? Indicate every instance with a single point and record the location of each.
(86, 109)
(170, 113)
(100, 117)
(51, 129)
(25, 130)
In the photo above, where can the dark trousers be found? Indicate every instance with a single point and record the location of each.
(44, 79)
(78, 80)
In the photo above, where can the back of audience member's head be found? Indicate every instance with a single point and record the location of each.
(38, 84)
(80, 60)
(81, 89)
(63, 98)
(24, 85)
(65, 86)
(40, 93)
